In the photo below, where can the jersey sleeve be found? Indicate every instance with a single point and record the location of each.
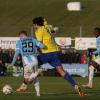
(39, 44)
(17, 52)
(98, 47)
(95, 52)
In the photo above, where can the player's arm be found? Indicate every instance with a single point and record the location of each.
(96, 51)
(98, 47)
(17, 52)
(15, 56)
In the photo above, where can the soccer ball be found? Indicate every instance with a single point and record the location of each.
(7, 89)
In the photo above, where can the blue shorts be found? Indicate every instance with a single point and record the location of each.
(52, 58)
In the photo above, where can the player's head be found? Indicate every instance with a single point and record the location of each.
(37, 22)
(22, 34)
(97, 31)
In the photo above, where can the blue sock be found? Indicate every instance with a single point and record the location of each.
(70, 79)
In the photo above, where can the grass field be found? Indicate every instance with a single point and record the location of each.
(16, 15)
(52, 88)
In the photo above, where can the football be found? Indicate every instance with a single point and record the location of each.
(7, 89)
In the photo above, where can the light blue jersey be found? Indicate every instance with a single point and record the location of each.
(27, 48)
(98, 46)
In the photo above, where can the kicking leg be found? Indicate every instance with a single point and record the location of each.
(68, 77)
(27, 73)
(23, 87)
(34, 75)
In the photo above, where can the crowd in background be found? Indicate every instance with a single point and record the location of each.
(6, 56)
(73, 56)
(66, 57)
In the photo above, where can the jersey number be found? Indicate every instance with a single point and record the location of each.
(27, 46)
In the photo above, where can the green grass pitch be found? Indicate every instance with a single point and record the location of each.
(52, 88)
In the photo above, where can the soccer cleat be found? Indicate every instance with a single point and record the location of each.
(22, 88)
(87, 86)
(80, 92)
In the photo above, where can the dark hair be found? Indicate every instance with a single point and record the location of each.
(39, 21)
(23, 32)
(97, 30)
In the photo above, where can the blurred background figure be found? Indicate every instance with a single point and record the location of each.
(75, 55)
(84, 58)
(1, 64)
(63, 56)
(10, 54)
(19, 63)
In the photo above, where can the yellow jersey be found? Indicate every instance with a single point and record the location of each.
(45, 36)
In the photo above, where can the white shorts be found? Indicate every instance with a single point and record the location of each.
(97, 60)
(30, 65)
(29, 59)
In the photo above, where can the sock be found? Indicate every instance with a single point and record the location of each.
(70, 79)
(24, 82)
(91, 74)
(33, 75)
(37, 88)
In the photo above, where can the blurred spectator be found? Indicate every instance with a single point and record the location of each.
(83, 59)
(75, 56)
(69, 58)
(5, 56)
(10, 54)
(19, 63)
(63, 56)
(1, 64)
(5, 59)
(1, 55)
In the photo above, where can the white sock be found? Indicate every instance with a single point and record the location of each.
(23, 84)
(91, 75)
(33, 75)
(37, 88)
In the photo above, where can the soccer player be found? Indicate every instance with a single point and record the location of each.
(26, 46)
(95, 63)
(50, 54)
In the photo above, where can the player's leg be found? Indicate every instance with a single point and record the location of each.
(91, 76)
(94, 65)
(28, 69)
(34, 75)
(36, 82)
(55, 62)
(65, 75)
(68, 77)
(41, 60)
(27, 72)
(37, 86)
(53, 59)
